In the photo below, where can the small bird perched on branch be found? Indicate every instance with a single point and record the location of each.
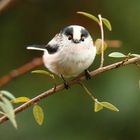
(69, 53)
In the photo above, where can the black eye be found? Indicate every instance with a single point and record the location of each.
(82, 37)
(84, 34)
(70, 37)
(68, 31)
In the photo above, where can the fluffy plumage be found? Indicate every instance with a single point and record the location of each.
(70, 52)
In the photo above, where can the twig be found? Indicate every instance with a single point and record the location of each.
(4, 4)
(113, 43)
(102, 37)
(72, 82)
(20, 71)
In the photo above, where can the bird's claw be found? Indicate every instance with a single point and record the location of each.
(66, 85)
(87, 74)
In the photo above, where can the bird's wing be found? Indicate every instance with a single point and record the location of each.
(52, 48)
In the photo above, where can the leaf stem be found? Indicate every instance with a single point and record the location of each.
(102, 37)
(87, 91)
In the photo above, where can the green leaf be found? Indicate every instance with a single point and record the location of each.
(44, 72)
(139, 83)
(1, 104)
(109, 106)
(89, 16)
(117, 55)
(100, 105)
(7, 94)
(9, 111)
(2, 113)
(107, 23)
(97, 106)
(135, 55)
(20, 100)
(98, 44)
(38, 114)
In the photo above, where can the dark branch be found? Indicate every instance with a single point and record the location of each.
(72, 82)
(20, 71)
(5, 4)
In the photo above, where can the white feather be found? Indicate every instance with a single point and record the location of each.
(71, 59)
(35, 48)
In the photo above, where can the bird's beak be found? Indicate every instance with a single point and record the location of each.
(76, 41)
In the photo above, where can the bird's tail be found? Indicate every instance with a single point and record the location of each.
(36, 47)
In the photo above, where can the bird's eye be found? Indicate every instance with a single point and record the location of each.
(82, 37)
(69, 37)
(84, 34)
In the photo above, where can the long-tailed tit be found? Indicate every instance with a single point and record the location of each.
(69, 53)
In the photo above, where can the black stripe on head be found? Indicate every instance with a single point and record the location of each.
(52, 49)
(84, 33)
(68, 31)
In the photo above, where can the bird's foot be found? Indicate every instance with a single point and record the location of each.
(87, 74)
(66, 85)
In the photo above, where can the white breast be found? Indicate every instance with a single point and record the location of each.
(70, 61)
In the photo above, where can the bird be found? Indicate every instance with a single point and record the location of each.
(69, 53)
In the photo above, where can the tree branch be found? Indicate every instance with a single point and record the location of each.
(4, 4)
(38, 62)
(71, 82)
(20, 71)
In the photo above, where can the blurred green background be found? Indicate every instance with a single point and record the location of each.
(69, 115)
